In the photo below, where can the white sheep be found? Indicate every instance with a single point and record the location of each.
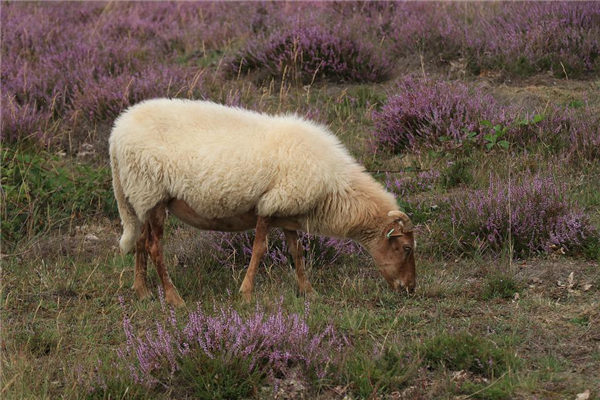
(229, 169)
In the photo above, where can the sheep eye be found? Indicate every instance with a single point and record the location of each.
(407, 249)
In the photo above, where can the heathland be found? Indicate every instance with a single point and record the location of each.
(482, 118)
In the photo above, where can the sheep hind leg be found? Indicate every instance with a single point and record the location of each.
(141, 262)
(259, 248)
(295, 247)
(156, 221)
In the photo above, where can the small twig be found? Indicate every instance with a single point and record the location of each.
(9, 383)
(564, 70)
(90, 275)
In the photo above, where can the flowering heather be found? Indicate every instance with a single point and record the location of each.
(557, 36)
(308, 53)
(425, 113)
(235, 249)
(272, 345)
(519, 37)
(124, 53)
(405, 185)
(540, 219)
(431, 113)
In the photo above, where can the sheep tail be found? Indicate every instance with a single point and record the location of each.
(130, 221)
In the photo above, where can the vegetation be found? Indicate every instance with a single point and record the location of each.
(482, 118)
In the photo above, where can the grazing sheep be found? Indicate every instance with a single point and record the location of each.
(228, 169)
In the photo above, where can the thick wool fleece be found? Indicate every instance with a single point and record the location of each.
(222, 162)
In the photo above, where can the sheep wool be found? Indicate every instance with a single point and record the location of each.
(223, 161)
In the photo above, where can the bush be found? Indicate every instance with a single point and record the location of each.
(462, 351)
(53, 86)
(540, 218)
(518, 38)
(405, 185)
(259, 347)
(429, 114)
(314, 53)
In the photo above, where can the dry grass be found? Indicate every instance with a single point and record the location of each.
(62, 322)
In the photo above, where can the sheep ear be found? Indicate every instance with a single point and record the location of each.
(397, 214)
(394, 233)
(402, 219)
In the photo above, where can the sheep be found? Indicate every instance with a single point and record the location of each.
(228, 169)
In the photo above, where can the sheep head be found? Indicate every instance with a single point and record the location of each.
(393, 251)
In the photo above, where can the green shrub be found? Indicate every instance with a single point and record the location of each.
(500, 286)
(463, 351)
(209, 378)
(383, 373)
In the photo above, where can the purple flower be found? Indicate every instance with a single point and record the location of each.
(305, 54)
(273, 344)
(533, 212)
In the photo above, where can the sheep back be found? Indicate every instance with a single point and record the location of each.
(225, 161)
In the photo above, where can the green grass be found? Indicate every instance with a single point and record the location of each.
(464, 351)
(462, 334)
(502, 286)
(65, 316)
(42, 192)
(374, 371)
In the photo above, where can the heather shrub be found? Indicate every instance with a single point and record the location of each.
(234, 250)
(406, 185)
(558, 36)
(54, 86)
(580, 129)
(428, 113)
(518, 38)
(244, 350)
(24, 121)
(533, 213)
(306, 54)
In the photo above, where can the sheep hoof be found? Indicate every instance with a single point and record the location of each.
(308, 292)
(174, 299)
(246, 296)
(142, 291)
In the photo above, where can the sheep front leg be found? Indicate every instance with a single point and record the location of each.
(258, 251)
(297, 251)
(156, 222)
(141, 262)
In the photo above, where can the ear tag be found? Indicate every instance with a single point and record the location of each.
(389, 234)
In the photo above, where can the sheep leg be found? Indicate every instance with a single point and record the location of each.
(297, 251)
(259, 248)
(141, 262)
(156, 222)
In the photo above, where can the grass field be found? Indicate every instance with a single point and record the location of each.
(484, 124)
